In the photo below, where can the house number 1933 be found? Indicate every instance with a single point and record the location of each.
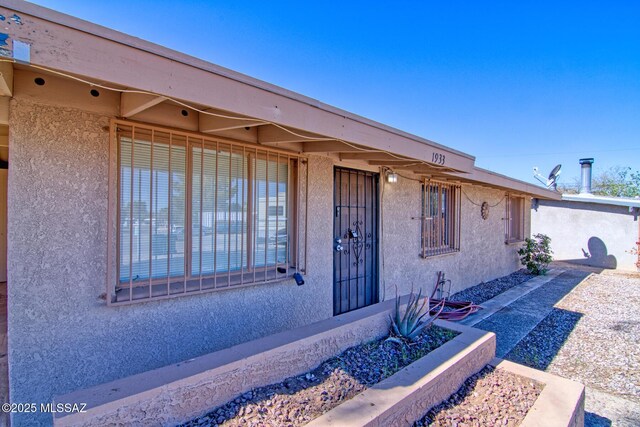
(437, 158)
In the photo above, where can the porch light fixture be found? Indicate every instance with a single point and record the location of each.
(392, 177)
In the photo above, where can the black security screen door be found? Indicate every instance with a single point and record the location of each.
(355, 231)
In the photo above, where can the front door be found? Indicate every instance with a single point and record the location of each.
(355, 231)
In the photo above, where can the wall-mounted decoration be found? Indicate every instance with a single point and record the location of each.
(484, 210)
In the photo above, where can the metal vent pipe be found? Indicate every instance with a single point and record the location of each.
(585, 187)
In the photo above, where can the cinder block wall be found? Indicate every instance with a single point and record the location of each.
(62, 337)
(588, 233)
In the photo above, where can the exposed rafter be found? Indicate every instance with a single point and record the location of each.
(210, 123)
(432, 173)
(170, 115)
(395, 163)
(419, 168)
(4, 110)
(269, 134)
(134, 103)
(331, 147)
(368, 156)
(6, 79)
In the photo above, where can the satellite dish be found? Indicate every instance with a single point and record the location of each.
(551, 181)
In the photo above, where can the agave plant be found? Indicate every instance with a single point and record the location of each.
(416, 317)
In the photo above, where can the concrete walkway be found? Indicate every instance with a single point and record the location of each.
(515, 320)
(491, 307)
(513, 314)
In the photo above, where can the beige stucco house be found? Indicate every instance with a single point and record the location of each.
(160, 207)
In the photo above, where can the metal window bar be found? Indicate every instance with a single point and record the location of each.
(277, 213)
(151, 216)
(131, 172)
(182, 179)
(266, 213)
(214, 214)
(187, 229)
(254, 215)
(200, 220)
(297, 218)
(507, 219)
(514, 218)
(229, 203)
(440, 220)
(242, 215)
(303, 267)
(169, 225)
(289, 218)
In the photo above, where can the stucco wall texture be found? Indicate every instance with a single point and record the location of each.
(606, 233)
(483, 254)
(62, 337)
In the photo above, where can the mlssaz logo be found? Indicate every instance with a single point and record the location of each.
(66, 408)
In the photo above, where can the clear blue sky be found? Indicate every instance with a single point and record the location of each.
(516, 84)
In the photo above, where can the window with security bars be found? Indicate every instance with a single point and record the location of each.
(514, 221)
(440, 218)
(198, 214)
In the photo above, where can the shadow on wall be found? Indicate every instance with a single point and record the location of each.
(596, 256)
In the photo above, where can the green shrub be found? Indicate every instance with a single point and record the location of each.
(535, 255)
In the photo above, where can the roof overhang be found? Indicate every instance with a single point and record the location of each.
(495, 180)
(229, 104)
(603, 200)
(75, 47)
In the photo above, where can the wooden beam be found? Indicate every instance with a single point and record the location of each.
(4, 110)
(210, 123)
(329, 147)
(367, 156)
(424, 166)
(270, 134)
(248, 135)
(170, 115)
(134, 103)
(396, 163)
(6, 79)
(419, 169)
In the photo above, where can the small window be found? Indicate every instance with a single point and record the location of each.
(440, 218)
(514, 221)
(197, 214)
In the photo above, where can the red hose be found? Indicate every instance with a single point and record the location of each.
(461, 309)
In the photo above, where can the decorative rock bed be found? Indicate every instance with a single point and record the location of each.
(511, 395)
(298, 400)
(178, 393)
(373, 397)
(485, 291)
(492, 397)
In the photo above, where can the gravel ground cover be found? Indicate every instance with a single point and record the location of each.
(487, 290)
(492, 397)
(298, 400)
(591, 336)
